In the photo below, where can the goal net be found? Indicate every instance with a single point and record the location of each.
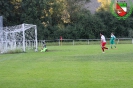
(22, 37)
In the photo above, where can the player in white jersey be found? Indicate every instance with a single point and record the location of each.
(103, 42)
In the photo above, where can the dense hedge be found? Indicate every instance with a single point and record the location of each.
(65, 18)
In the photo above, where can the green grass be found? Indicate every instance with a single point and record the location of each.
(79, 66)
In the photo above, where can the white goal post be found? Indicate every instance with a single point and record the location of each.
(18, 37)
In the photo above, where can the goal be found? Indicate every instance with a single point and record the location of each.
(21, 36)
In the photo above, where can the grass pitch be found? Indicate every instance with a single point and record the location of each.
(79, 66)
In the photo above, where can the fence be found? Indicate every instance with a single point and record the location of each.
(30, 44)
(57, 42)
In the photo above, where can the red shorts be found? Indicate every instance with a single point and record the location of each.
(103, 44)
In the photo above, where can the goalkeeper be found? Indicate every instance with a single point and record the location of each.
(112, 41)
(44, 47)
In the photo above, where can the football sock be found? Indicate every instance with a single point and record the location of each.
(103, 49)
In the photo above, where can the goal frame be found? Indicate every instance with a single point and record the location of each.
(22, 28)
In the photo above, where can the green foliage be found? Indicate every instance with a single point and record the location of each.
(130, 33)
(112, 24)
(6, 10)
(67, 18)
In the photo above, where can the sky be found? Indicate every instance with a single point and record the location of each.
(94, 4)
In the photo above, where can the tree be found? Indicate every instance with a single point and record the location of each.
(105, 5)
(6, 10)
